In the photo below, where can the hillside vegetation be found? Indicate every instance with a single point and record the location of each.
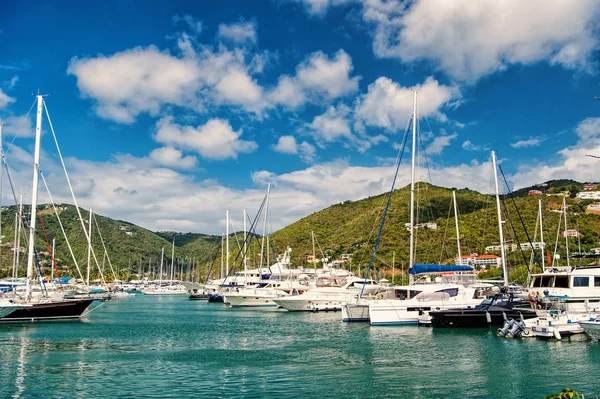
(345, 228)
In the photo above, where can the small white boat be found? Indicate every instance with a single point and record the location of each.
(592, 327)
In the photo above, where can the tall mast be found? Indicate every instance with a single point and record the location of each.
(542, 235)
(18, 246)
(411, 256)
(245, 249)
(502, 251)
(1, 160)
(566, 235)
(172, 260)
(312, 233)
(227, 243)
(456, 222)
(262, 245)
(15, 246)
(53, 260)
(222, 256)
(89, 258)
(162, 256)
(34, 193)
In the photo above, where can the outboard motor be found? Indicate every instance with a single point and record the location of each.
(501, 332)
(515, 330)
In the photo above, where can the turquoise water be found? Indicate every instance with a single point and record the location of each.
(171, 347)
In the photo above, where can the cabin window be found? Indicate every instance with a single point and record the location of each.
(404, 294)
(536, 281)
(581, 281)
(596, 281)
(450, 291)
(561, 282)
(547, 281)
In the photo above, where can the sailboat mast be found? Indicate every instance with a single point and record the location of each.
(222, 256)
(1, 160)
(53, 260)
(262, 244)
(172, 260)
(34, 194)
(456, 222)
(89, 255)
(542, 235)
(502, 251)
(566, 235)
(162, 256)
(245, 249)
(227, 243)
(312, 234)
(412, 183)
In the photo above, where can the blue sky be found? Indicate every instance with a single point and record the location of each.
(169, 114)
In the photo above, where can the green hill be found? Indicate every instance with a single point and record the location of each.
(345, 228)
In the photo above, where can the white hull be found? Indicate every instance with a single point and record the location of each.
(164, 292)
(355, 312)
(250, 300)
(298, 304)
(592, 328)
(408, 312)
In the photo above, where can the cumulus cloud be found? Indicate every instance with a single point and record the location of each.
(469, 146)
(143, 80)
(320, 7)
(214, 140)
(332, 126)
(532, 142)
(474, 39)
(439, 143)
(240, 32)
(388, 105)
(288, 145)
(572, 162)
(193, 24)
(5, 99)
(171, 157)
(318, 77)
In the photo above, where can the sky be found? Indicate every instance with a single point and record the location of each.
(169, 113)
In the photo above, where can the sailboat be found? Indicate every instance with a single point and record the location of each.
(42, 308)
(409, 303)
(490, 312)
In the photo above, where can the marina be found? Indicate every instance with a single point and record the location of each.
(168, 346)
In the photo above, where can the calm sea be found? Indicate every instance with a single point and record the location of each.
(171, 347)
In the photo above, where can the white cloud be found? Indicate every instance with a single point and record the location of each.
(20, 125)
(389, 105)
(572, 162)
(5, 99)
(288, 145)
(473, 39)
(439, 143)
(143, 80)
(320, 7)
(214, 140)
(240, 32)
(194, 24)
(12, 82)
(332, 126)
(135, 81)
(171, 157)
(532, 142)
(317, 78)
(469, 146)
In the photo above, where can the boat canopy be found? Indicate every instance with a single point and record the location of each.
(433, 268)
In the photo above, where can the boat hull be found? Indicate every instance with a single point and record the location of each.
(477, 318)
(592, 328)
(250, 301)
(62, 310)
(355, 313)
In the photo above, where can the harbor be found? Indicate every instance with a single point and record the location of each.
(171, 347)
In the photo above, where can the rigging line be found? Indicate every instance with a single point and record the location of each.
(445, 233)
(103, 246)
(62, 161)
(401, 151)
(537, 260)
(247, 237)
(50, 249)
(61, 226)
(216, 246)
(26, 117)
